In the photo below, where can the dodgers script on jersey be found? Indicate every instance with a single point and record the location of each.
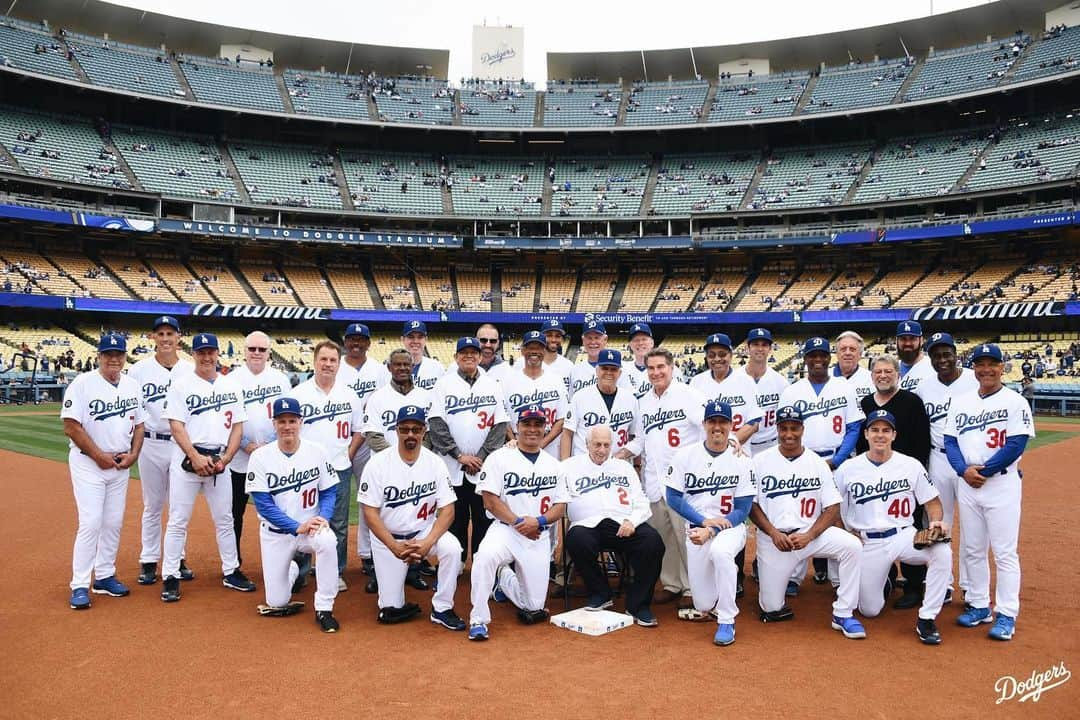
(380, 415)
(981, 425)
(330, 419)
(793, 492)
(938, 398)
(154, 379)
(588, 408)
(259, 391)
(737, 390)
(880, 497)
(827, 414)
(767, 393)
(584, 376)
(207, 409)
(710, 483)
(861, 381)
(667, 423)
(470, 411)
(364, 381)
(609, 490)
(407, 496)
(528, 488)
(548, 392)
(427, 373)
(295, 481)
(921, 370)
(108, 413)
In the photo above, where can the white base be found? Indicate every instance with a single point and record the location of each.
(592, 623)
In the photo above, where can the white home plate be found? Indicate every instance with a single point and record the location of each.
(592, 623)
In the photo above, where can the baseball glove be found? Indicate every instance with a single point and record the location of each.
(926, 538)
(186, 465)
(285, 610)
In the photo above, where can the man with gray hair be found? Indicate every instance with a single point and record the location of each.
(849, 352)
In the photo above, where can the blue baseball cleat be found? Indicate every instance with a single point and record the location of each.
(851, 627)
(1003, 629)
(478, 632)
(111, 586)
(974, 616)
(792, 589)
(725, 634)
(80, 599)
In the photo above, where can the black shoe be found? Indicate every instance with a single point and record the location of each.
(448, 619)
(739, 590)
(148, 574)
(413, 579)
(908, 601)
(237, 580)
(928, 632)
(372, 585)
(299, 584)
(394, 615)
(186, 573)
(367, 566)
(170, 592)
(426, 569)
(820, 578)
(327, 622)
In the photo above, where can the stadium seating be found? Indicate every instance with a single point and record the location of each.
(641, 289)
(44, 341)
(855, 276)
(518, 289)
(34, 267)
(125, 67)
(721, 289)
(434, 286)
(498, 105)
(397, 183)
(174, 274)
(745, 99)
(420, 102)
(1058, 51)
(599, 186)
(557, 287)
(350, 286)
(920, 166)
(473, 288)
(804, 288)
(809, 176)
(220, 280)
(327, 94)
(88, 274)
(129, 269)
(1029, 152)
(935, 286)
(221, 82)
(311, 288)
(175, 163)
(268, 282)
(894, 282)
(32, 48)
(858, 86)
(673, 103)
(581, 104)
(497, 186)
(287, 175)
(395, 285)
(597, 287)
(679, 289)
(766, 287)
(702, 183)
(59, 148)
(965, 69)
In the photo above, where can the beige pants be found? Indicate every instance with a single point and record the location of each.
(672, 529)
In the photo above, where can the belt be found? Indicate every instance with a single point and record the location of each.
(788, 532)
(273, 529)
(883, 534)
(824, 453)
(406, 536)
(156, 436)
(940, 450)
(208, 450)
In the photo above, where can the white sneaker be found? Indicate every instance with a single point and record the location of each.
(341, 586)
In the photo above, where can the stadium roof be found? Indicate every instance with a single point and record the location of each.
(124, 24)
(947, 30)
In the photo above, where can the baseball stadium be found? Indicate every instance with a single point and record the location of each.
(231, 183)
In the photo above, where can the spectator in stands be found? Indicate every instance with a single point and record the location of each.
(1027, 391)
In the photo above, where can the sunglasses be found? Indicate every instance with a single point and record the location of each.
(410, 430)
(258, 349)
(488, 341)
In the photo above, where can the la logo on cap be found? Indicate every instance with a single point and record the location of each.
(112, 340)
(760, 332)
(202, 338)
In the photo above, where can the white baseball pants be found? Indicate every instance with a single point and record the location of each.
(154, 462)
(775, 568)
(390, 571)
(280, 572)
(526, 585)
(946, 481)
(712, 572)
(990, 516)
(184, 487)
(878, 555)
(100, 498)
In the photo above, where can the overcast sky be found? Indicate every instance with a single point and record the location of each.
(552, 25)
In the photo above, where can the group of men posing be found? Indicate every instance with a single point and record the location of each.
(840, 467)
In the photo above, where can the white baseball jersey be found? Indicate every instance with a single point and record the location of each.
(938, 397)
(609, 490)
(921, 370)
(638, 377)
(861, 381)
(427, 373)
(380, 415)
(561, 367)
(407, 496)
(880, 497)
(208, 409)
(981, 425)
(710, 483)
(588, 408)
(737, 390)
(826, 415)
(528, 488)
(500, 371)
(364, 380)
(793, 492)
(330, 419)
(259, 392)
(547, 391)
(768, 390)
(667, 423)
(584, 376)
(470, 411)
(295, 481)
(154, 380)
(108, 413)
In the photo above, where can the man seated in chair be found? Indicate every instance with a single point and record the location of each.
(607, 511)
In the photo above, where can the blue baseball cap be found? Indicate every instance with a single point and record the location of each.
(357, 329)
(531, 412)
(638, 328)
(553, 324)
(759, 334)
(413, 413)
(816, 344)
(412, 326)
(286, 406)
(789, 413)
(611, 358)
(112, 342)
(203, 341)
(717, 409)
(908, 327)
(533, 336)
(718, 339)
(468, 342)
(167, 320)
(987, 351)
(883, 416)
(940, 339)
(593, 326)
